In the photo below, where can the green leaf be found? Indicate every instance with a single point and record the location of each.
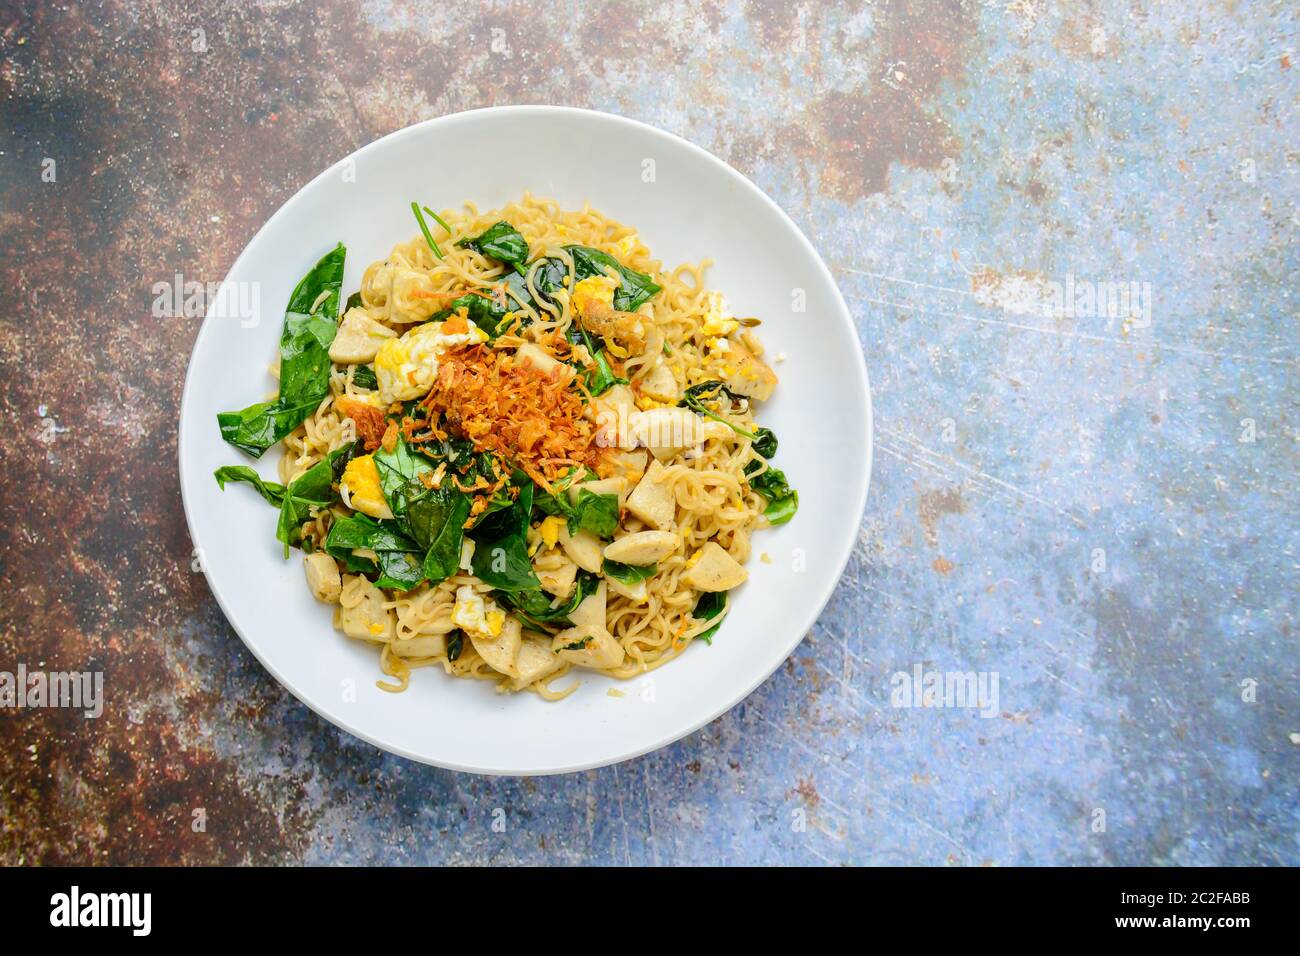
(433, 518)
(442, 560)
(486, 313)
(635, 288)
(398, 563)
(705, 398)
(765, 442)
(782, 500)
(310, 324)
(602, 378)
(501, 545)
(272, 491)
(363, 376)
(709, 606)
(314, 488)
(587, 510)
(399, 570)
(628, 574)
(595, 513)
(534, 607)
(501, 241)
(503, 563)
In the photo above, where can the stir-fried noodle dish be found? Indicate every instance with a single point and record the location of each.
(520, 448)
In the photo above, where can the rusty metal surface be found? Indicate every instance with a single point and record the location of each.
(1097, 510)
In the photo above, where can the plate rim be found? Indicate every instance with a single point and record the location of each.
(831, 582)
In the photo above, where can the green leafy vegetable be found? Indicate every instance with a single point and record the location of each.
(363, 376)
(597, 513)
(398, 562)
(765, 442)
(424, 228)
(310, 324)
(272, 491)
(709, 606)
(433, 518)
(704, 398)
(443, 557)
(313, 489)
(534, 607)
(501, 543)
(549, 275)
(354, 302)
(484, 312)
(601, 378)
(500, 241)
(628, 574)
(634, 289)
(782, 500)
(455, 645)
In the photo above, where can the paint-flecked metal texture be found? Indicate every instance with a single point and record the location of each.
(1100, 510)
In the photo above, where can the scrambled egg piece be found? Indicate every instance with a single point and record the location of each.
(550, 530)
(406, 366)
(593, 290)
(361, 490)
(477, 615)
(718, 319)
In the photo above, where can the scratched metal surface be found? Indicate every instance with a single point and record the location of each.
(1101, 513)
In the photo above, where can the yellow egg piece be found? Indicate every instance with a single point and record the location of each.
(550, 530)
(406, 367)
(593, 290)
(718, 319)
(361, 489)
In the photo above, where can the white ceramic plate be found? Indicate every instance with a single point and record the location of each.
(693, 207)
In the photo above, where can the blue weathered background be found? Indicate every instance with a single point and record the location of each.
(1099, 509)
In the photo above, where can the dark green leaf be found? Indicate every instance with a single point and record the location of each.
(705, 398)
(602, 378)
(442, 560)
(765, 442)
(363, 376)
(484, 312)
(399, 570)
(595, 513)
(503, 563)
(634, 289)
(584, 510)
(455, 645)
(782, 500)
(534, 607)
(398, 555)
(310, 324)
(272, 491)
(501, 545)
(500, 241)
(313, 489)
(709, 606)
(628, 574)
(433, 518)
